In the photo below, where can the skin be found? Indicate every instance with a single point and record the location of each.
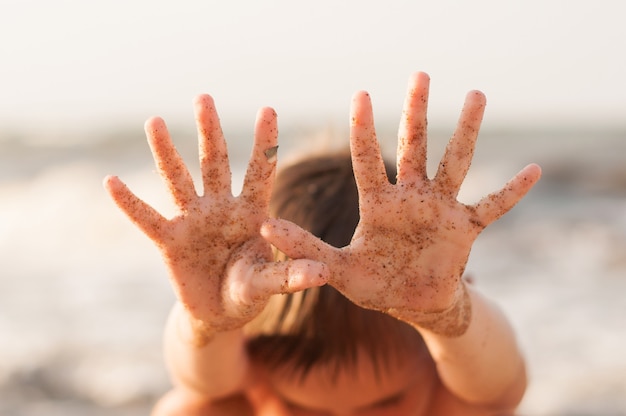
(404, 388)
(406, 258)
(415, 229)
(220, 267)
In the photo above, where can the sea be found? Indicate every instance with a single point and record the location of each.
(84, 295)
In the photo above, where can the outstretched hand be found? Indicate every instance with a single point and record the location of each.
(411, 246)
(220, 267)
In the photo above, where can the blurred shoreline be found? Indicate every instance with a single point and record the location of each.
(83, 295)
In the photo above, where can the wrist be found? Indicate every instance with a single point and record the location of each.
(450, 322)
(192, 330)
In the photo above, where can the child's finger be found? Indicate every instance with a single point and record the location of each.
(257, 186)
(287, 277)
(295, 242)
(412, 140)
(367, 162)
(460, 150)
(214, 164)
(169, 163)
(251, 280)
(140, 213)
(495, 205)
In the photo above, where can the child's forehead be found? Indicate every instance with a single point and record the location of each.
(360, 384)
(394, 366)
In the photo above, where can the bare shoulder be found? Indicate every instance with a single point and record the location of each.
(446, 403)
(235, 406)
(175, 404)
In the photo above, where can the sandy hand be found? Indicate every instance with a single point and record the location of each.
(221, 269)
(411, 246)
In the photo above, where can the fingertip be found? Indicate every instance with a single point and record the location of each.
(268, 226)
(477, 96)
(204, 110)
(266, 113)
(418, 78)
(361, 96)
(114, 187)
(153, 125)
(203, 100)
(361, 110)
(108, 181)
(535, 168)
(361, 100)
(266, 127)
(532, 172)
(112, 183)
(305, 274)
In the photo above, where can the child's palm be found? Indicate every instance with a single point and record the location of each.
(221, 270)
(413, 239)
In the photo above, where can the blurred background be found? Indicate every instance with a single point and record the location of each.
(84, 296)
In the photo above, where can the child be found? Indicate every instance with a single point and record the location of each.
(365, 312)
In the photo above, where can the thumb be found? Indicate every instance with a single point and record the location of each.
(296, 242)
(252, 284)
(496, 204)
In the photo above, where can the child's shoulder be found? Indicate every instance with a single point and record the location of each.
(233, 406)
(446, 403)
(237, 405)
(178, 402)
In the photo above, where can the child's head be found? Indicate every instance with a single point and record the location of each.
(319, 326)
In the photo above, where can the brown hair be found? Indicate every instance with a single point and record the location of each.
(320, 325)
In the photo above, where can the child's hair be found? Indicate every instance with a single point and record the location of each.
(319, 326)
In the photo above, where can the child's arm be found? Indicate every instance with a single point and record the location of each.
(213, 367)
(484, 364)
(220, 268)
(409, 251)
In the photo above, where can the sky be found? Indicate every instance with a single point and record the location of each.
(71, 64)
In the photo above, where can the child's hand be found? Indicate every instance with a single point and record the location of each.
(220, 267)
(412, 243)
